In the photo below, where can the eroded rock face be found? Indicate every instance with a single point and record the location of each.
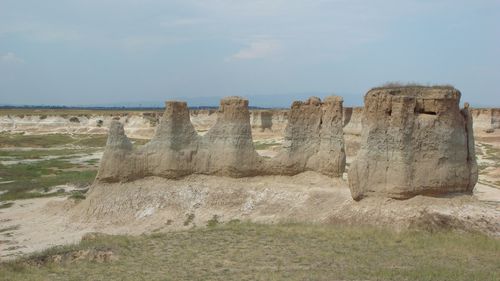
(486, 119)
(171, 151)
(315, 141)
(227, 148)
(262, 120)
(415, 140)
(115, 163)
(313, 138)
(352, 129)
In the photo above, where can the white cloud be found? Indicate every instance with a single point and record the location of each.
(257, 49)
(11, 58)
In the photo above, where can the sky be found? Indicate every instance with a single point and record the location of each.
(99, 52)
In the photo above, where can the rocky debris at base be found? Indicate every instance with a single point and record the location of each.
(155, 203)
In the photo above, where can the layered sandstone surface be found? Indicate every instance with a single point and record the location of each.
(415, 140)
(314, 138)
(352, 129)
(486, 119)
(136, 124)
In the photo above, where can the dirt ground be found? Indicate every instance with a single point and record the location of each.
(156, 204)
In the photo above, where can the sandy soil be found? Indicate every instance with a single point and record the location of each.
(36, 224)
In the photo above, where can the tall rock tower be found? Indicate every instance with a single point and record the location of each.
(415, 140)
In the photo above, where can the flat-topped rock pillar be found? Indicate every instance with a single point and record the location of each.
(414, 141)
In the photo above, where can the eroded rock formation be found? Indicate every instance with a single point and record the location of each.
(227, 148)
(116, 164)
(415, 140)
(352, 129)
(486, 119)
(171, 152)
(314, 138)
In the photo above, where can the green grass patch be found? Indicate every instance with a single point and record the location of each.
(78, 194)
(45, 141)
(265, 145)
(6, 205)
(482, 166)
(189, 219)
(28, 178)
(38, 154)
(243, 251)
(34, 179)
(140, 141)
(56, 140)
(92, 140)
(214, 221)
(92, 161)
(492, 153)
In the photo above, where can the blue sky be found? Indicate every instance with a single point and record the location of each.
(123, 51)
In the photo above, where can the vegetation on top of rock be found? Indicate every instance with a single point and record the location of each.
(389, 85)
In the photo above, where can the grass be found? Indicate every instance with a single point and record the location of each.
(265, 145)
(40, 175)
(41, 141)
(29, 179)
(492, 153)
(244, 251)
(40, 153)
(55, 140)
(412, 85)
(189, 219)
(78, 194)
(213, 221)
(91, 141)
(6, 205)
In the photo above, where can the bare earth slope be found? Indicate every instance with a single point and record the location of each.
(157, 204)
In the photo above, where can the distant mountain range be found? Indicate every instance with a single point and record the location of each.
(257, 101)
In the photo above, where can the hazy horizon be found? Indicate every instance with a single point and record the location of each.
(93, 52)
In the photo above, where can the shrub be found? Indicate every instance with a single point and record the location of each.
(189, 219)
(213, 221)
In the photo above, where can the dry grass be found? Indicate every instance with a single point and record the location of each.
(259, 145)
(243, 251)
(51, 165)
(412, 85)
